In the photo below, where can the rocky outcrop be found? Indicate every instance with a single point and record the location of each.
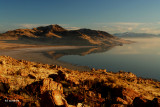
(24, 83)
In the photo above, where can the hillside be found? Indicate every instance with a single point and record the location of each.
(55, 34)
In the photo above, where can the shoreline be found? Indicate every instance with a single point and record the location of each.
(35, 54)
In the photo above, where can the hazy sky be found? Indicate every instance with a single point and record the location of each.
(108, 15)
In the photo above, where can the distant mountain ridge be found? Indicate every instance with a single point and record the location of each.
(55, 34)
(132, 34)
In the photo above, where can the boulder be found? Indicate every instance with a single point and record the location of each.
(51, 99)
(49, 84)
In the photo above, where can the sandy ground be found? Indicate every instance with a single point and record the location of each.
(35, 53)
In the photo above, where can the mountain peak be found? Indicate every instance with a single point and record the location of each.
(52, 28)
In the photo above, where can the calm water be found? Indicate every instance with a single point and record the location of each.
(142, 58)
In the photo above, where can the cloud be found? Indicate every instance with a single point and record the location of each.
(6, 27)
(71, 28)
(30, 25)
(120, 27)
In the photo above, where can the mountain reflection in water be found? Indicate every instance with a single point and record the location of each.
(56, 54)
(142, 58)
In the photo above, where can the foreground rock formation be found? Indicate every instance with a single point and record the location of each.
(24, 83)
(55, 34)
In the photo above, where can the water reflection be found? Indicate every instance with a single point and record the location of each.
(56, 54)
(142, 58)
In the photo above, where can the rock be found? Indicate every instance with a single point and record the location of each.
(128, 99)
(117, 105)
(51, 98)
(58, 77)
(93, 69)
(79, 105)
(49, 84)
(3, 79)
(22, 72)
(40, 87)
(82, 105)
(139, 102)
(4, 84)
(4, 87)
(32, 76)
(121, 101)
(154, 103)
(129, 92)
(57, 98)
(74, 98)
(2, 62)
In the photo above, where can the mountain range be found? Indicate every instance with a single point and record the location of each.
(132, 34)
(57, 35)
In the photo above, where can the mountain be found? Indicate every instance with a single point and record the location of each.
(131, 34)
(55, 34)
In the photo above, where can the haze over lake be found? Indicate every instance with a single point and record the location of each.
(141, 58)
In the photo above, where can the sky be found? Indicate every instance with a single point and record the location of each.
(113, 16)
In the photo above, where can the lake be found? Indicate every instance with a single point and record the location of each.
(141, 58)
